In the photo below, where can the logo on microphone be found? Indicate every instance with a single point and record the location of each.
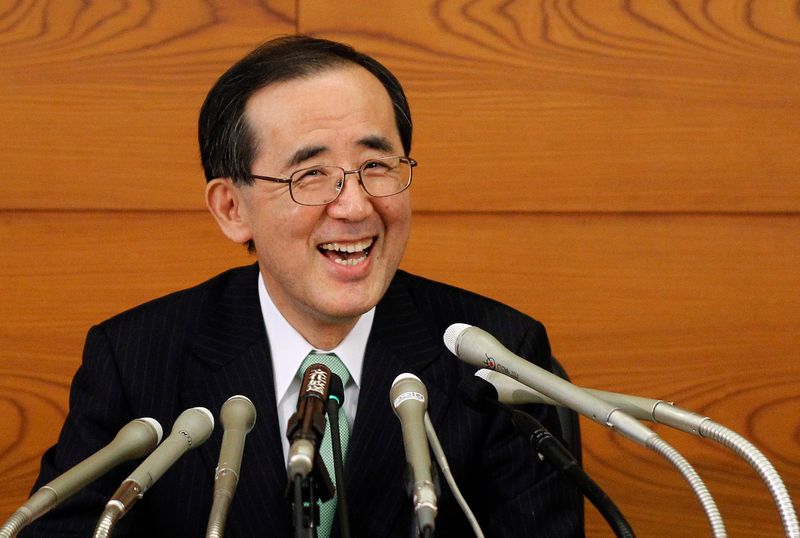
(317, 381)
(410, 395)
(496, 366)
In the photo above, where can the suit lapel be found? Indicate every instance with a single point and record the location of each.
(399, 342)
(232, 357)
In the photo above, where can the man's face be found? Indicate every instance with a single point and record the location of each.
(342, 116)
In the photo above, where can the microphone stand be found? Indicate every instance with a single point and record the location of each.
(304, 494)
(428, 530)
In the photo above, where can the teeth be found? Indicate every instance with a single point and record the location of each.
(348, 247)
(350, 261)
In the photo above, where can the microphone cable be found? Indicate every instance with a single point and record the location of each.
(476, 390)
(551, 449)
(441, 459)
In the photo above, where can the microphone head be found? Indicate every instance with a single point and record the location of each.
(138, 437)
(196, 423)
(238, 412)
(316, 382)
(336, 390)
(155, 425)
(452, 334)
(409, 388)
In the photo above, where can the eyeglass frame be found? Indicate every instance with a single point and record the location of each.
(411, 164)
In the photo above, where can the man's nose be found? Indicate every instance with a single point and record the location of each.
(353, 202)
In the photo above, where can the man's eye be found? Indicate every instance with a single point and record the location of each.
(311, 173)
(376, 166)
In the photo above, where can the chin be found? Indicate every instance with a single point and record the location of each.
(347, 306)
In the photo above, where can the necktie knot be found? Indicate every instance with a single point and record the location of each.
(328, 359)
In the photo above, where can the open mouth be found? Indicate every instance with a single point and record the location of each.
(347, 253)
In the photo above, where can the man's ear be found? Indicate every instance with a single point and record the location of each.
(224, 200)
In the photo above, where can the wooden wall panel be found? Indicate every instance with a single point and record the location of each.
(68, 272)
(569, 105)
(99, 100)
(592, 106)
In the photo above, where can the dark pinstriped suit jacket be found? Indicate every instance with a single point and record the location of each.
(200, 346)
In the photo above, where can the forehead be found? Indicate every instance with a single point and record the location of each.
(330, 109)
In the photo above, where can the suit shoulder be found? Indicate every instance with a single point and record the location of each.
(445, 301)
(189, 302)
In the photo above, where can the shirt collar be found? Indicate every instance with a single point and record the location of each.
(289, 348)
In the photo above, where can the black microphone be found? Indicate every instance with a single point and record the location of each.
(335, 402)
(409, 399)
(477, 390)
(136, 439)
(307, 425)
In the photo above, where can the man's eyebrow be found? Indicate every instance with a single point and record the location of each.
(303, 154)
(376, 142)
(380, 143)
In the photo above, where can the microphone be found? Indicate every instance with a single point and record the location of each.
(479, 348)
(478, 390)
(191, 429)
(511, 391)
(238, 416)
(136, 439)
(335, 402)
(307, 425)
(409, 397)
(659, 411)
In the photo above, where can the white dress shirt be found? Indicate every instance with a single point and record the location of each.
(289, 348)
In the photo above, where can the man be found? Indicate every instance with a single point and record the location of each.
(305, 145)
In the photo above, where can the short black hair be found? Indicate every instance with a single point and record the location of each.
(227, 145)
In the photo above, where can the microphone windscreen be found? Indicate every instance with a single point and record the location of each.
(451, 336)
(336, 389)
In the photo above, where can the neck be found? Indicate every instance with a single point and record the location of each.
(322, 331)
(323, 336)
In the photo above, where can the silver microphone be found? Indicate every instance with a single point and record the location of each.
(479, 348)
(191, 429)
(136, 439)
(409, 399)
(238, 416)
(511, 391)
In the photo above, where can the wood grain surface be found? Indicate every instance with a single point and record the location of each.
(624, 171)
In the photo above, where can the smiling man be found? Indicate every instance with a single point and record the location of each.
(306, 147)
(327, 253)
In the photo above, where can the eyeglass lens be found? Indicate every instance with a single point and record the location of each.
(321, 184)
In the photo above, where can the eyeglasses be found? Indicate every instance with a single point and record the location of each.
(320, 185)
